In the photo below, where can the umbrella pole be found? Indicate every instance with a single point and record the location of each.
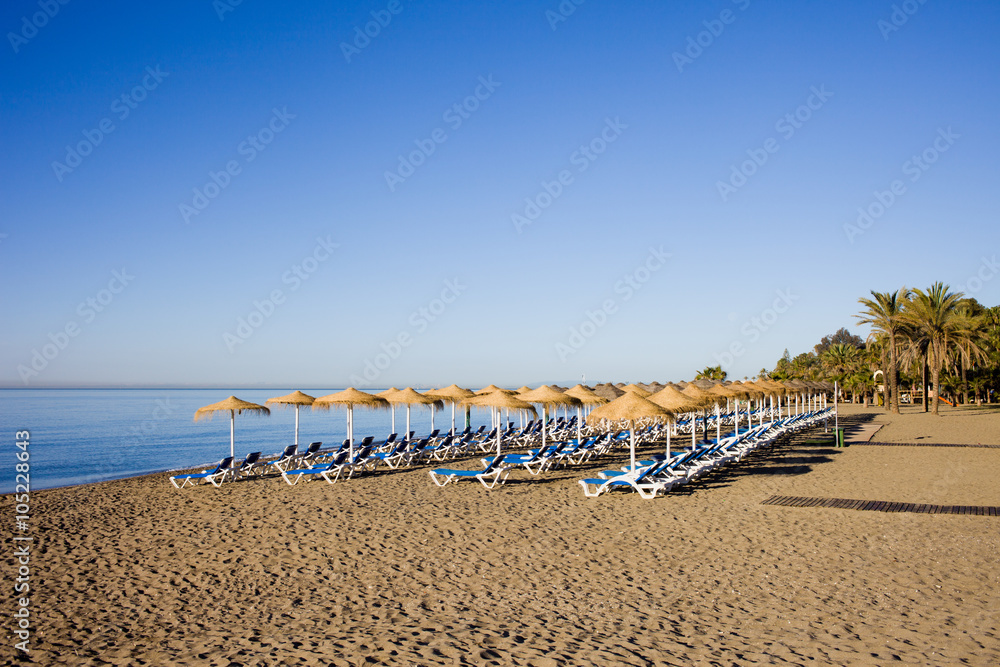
(668, 439)
(432, 417)
(232, 433)
(296, 425)
(453, 404)
(737, 413)
(836, 412)
(407, 422)
(579, 418)
(498, 434)
(694, 429)
(631, 441)
(393, 408)
(543, 426)
(350, 431)
(718, 425)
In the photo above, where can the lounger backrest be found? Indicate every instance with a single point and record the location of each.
(495, 463)
(339, 459)
(289, 451)
(224, 463)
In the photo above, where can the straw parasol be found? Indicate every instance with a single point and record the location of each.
(296, 398)
(636, 389)
(629, 406)
(349, 398)
(707, 399)
(451, 394)
(546, 396)
(497, 400)
(408, 397)
(233, 406)
(608, 391)
(676, 401)
(587, 397)
(524, 389)
(492, 388)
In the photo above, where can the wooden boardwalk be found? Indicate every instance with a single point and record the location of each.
(881, 506)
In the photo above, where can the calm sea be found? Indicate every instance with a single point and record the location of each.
(80, 436)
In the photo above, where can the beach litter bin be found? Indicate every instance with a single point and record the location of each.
(840, 437)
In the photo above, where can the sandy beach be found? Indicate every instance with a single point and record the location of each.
(390, 569)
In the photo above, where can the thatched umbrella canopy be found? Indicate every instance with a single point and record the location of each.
(673, 400)
(608, 391)
(636, 389)
(498, 400)
(233, 406)
(492, 388)
(629, 407)
(586, 396)
(409, 397)
(699, 394)
(296, 398)
(696, 392)
(451, 394)
(524, 389)
(349, 398)
(547, 397)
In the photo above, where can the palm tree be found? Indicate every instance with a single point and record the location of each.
(932, 315)
(711, 373)
(969, 339)
(840, 360)
(885, 315)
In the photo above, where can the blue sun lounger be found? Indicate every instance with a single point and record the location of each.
(220, 472)
(495, 471)
(292, 477)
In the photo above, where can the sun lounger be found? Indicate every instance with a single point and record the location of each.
(645, 481)
(496, 472)
(283, 462)
(292, 477)
(216, 475)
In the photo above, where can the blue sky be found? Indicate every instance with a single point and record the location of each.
(246, 194)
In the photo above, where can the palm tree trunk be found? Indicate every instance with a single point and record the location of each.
(936, 376)
(893, 379)
(923, 382)
(965, 383)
